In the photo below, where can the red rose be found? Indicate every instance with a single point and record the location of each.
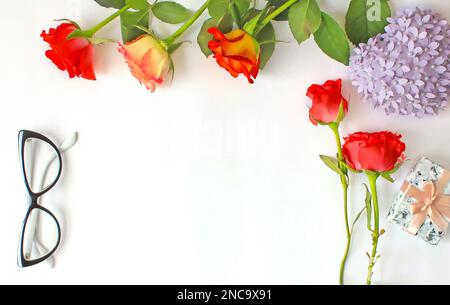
(76, 56)
(326, 102)
(377, 152)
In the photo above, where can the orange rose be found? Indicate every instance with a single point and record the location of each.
(148, 60)
(237, 52)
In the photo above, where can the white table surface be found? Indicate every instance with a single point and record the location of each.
(208, 181)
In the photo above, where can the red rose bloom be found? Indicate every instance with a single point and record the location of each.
(76, 56)
(326, 102)
(377, 152)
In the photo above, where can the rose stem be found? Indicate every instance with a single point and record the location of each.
(95, 29)
(277, 12)
(344, 182)
(171, 39)
(376, 231)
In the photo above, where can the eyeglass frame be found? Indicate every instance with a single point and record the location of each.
(25, 135)
(34, 243)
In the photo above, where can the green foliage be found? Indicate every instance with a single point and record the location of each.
(218, 8)
(284, 16)
(252, 23)
(131, 23)
(236, 8)
(304, 16)
(333, 164)
(138, 4)
(388, 177)
(266, 38)
(225, 25)
(242, 6)
(304, 19)
(368, 202)
(355, 221)
(366, 19)
(331, 39)
(118, 4)
(171, 12)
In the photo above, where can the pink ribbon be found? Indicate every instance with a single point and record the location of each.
(431, 202)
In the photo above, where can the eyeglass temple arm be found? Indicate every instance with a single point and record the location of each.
(33, 225)
(66, 145)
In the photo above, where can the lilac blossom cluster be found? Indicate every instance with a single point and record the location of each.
(406, 70)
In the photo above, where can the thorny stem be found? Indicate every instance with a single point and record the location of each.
(171, 39)
(89, 33)
(376, 231)
(344, 182)
(278, 11)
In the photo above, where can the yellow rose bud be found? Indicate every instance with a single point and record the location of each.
(147, 59)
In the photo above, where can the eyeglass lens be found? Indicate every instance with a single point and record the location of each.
(39, 243)
(37, 164)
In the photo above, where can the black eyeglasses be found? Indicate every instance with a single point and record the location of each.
(32, 249)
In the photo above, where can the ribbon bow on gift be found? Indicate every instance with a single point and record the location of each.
(431, 202)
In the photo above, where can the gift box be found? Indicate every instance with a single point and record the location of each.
(422, 207)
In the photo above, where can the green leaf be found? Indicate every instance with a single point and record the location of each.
(224, 25)
(242, 6)
(171, 12)
(304, 19)
(366, 19)
(130, 23)
(284, 16)
(218, 8)
(341, 113)
(118, 4)
(331, 38)
(252, 19)
(251, 25)
(236, 15)
(238, 9)
(204, 37)
(138, 4)
(250, 14)
(356, 219)
(388, 177)
(368, 202)
(266, 38)
(332, 163)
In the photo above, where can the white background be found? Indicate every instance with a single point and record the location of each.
(210, 180)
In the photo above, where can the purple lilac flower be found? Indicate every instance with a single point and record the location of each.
(406, 70)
